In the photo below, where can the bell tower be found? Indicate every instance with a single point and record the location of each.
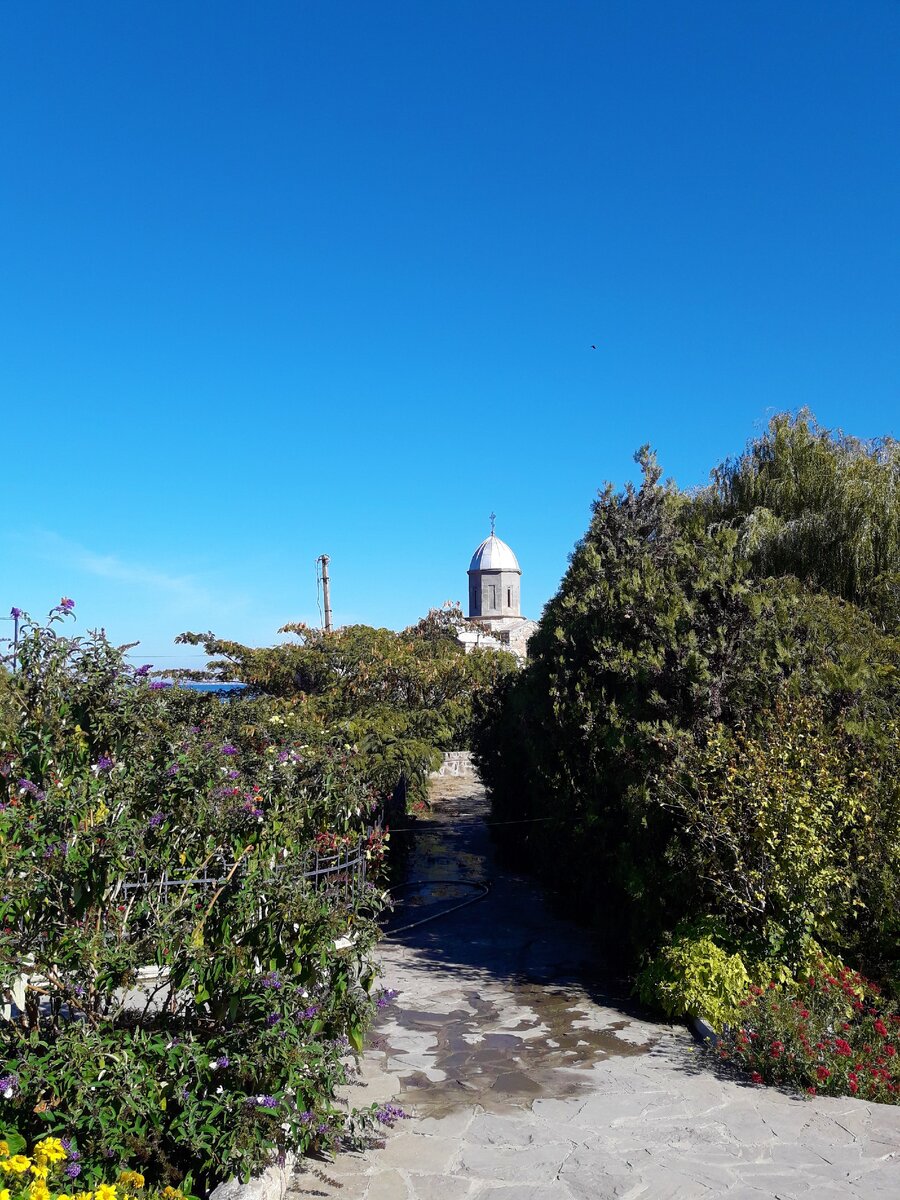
(494, 580)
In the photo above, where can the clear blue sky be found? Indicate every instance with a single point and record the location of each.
(284, 278)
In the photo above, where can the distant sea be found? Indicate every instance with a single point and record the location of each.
(222, 688)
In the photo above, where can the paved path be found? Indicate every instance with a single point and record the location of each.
(531, 1077)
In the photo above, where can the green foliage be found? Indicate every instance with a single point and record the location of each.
(819, 505)
(709, 723)
(694, 976)
(780, 824)
(400, 698)
(829, 1032)
(181, 998)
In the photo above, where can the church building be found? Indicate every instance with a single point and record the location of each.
(494, 600)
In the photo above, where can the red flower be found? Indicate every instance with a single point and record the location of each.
(881, 1028)
(811, 1090)
(853, 1083)
(822, 1073)
(843, 1048)
(756, 1077)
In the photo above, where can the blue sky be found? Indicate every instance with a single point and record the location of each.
(285, 278)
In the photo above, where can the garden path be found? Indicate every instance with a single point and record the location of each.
(531, 1077)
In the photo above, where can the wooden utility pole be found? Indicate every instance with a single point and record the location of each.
(326, 591)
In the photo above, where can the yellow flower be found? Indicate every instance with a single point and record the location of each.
(40, 1169)
(170, 1193)
(106, 1191)
(51, 1148)
(4, 1149)
(61, 1196)
(4, 1193)
(18, 1164)
(39, 1190)
(131, 1179)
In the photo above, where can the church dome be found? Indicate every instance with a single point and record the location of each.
(494, 555)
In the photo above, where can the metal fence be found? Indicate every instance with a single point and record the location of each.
(340, 875)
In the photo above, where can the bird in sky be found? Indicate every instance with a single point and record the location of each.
(593, 347)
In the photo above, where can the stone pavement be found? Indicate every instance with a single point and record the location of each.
(529, 1076)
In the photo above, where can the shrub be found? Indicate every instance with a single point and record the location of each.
(709, 723)
(829, 1034)
(694, 976)
(181, 999)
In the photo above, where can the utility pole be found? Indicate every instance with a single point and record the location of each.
(326, 590)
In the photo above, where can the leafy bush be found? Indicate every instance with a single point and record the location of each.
(180, 997)
(694, 976)
(818, 505)
(53, 1169)
(831, 1033)
(709, 723)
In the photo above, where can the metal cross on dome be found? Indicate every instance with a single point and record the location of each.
(493, 521)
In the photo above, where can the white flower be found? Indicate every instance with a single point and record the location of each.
(219, 1090)
(213, 1064)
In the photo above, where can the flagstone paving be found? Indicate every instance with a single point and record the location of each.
(530, 1076)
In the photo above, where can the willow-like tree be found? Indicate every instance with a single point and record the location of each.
(819, 505)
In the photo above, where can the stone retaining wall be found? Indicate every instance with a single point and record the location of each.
(456, 763)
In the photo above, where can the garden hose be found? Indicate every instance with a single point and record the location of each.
(484, 888)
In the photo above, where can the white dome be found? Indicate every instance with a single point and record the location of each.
(494, 555)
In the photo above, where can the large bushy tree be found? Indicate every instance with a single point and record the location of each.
(708, 724)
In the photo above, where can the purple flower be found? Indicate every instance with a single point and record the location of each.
(283, 756)
(73, 1170)
(32, 789)
(229, 749)
(104, 763)
(271, 980)
(193, 728)
(173, 770)
(9, 1086)
(263, 1101)
(386, 997)
(143, 671)
(307, 1014)
(158, 684)
(156, 820)
(272, 1019)
(223, 1061)
(389, 1114)
(15, 613)
(66, 604)
(306, 1117)
(232, 775)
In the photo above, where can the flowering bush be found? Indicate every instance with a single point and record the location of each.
(52, 1172)
(828, 1033)
(180, 998)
